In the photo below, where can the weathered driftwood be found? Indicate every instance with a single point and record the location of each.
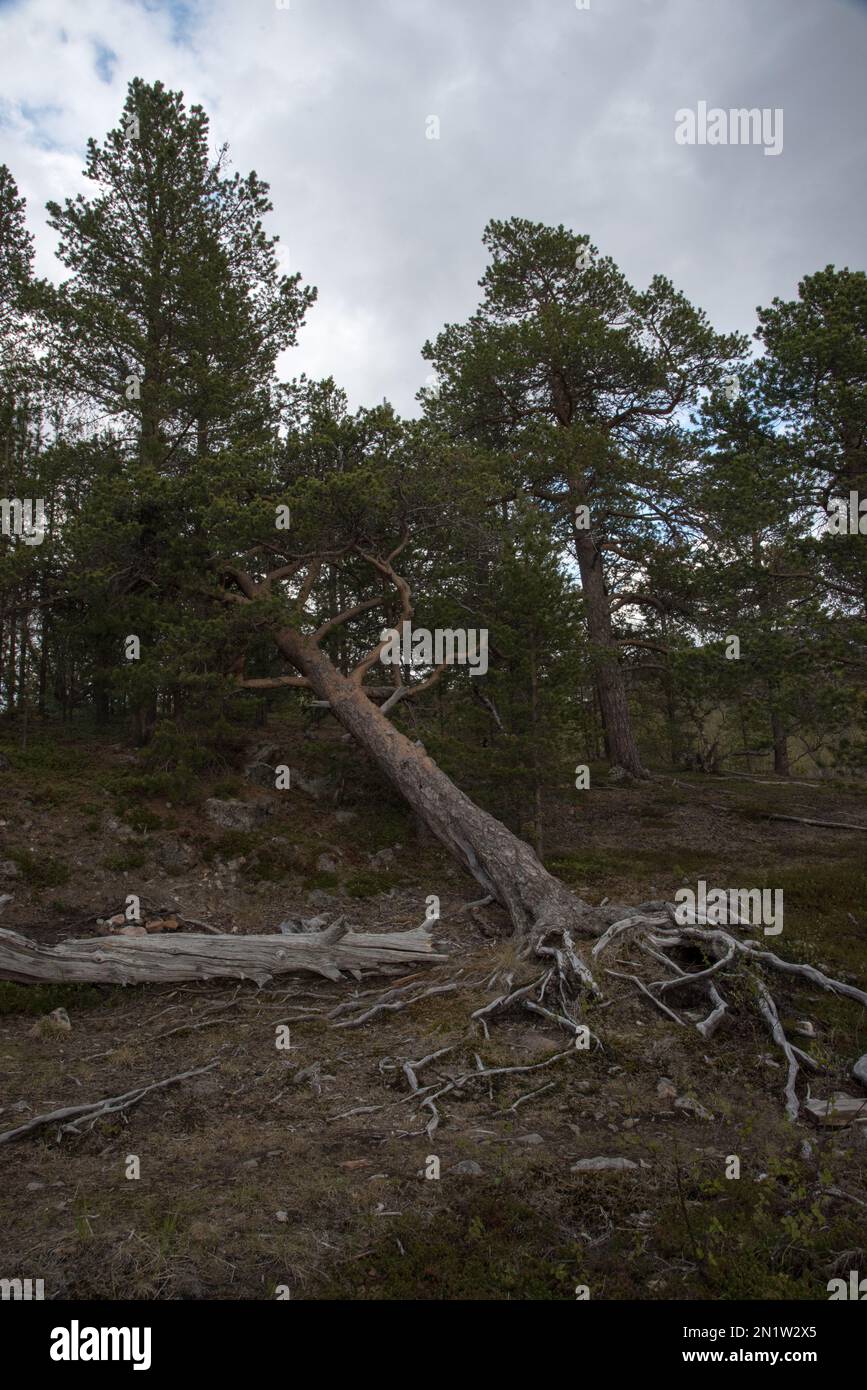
(159, 959)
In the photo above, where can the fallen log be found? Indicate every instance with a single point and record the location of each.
(162, 959)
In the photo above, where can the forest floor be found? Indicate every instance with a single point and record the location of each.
(255, 1179)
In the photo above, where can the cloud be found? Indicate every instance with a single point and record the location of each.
(546, 111)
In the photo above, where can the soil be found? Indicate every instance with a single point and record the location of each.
(261, 1178)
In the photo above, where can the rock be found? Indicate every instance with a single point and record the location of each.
(618, 774)
(115, 827)
(317, 897)
(130, 931)
(530, 1139)
(162, 924)
(383, 859)
(344, 817)
(839, 1110)
(174, 856)
(326, 864)
(5, 900)
(806, 1150)
(859, 1070)
(236, 815)
(281, 1215)
(692, 1106)
(467, 1168)
(9, 869)
(317, 787)
(804, 1027)
(666, 1089)
(52, 1024)
(603, 1165)
(261, 775)
(352, 1163)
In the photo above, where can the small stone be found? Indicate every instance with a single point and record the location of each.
(352, 1163)
(804, 1028)
(692, 1106)
(9, 869)
(326, 864)
(55, 1022)
(529, 1139)
(468, 1168)
(117, 828)
(665, 1088)
(603, 1164)
(859, 1070)
(383, 859)
(282, 1215)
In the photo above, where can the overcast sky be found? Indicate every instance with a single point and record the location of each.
(546, 111)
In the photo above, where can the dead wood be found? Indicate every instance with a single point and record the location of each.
(186, 956)
(70, 1116)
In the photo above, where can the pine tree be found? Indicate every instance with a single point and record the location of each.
(580, 380)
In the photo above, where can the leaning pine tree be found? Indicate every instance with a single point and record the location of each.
(266, 531)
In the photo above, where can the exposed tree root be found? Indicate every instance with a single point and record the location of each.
(70, 1117)
(653, 932)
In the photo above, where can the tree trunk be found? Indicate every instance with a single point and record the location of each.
(538, 829)
(613, 701)
(505, 866)
(781, 745)
(124, 960)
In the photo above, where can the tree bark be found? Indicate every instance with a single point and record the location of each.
(613, 700)
(506, 867)
(781, 745)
